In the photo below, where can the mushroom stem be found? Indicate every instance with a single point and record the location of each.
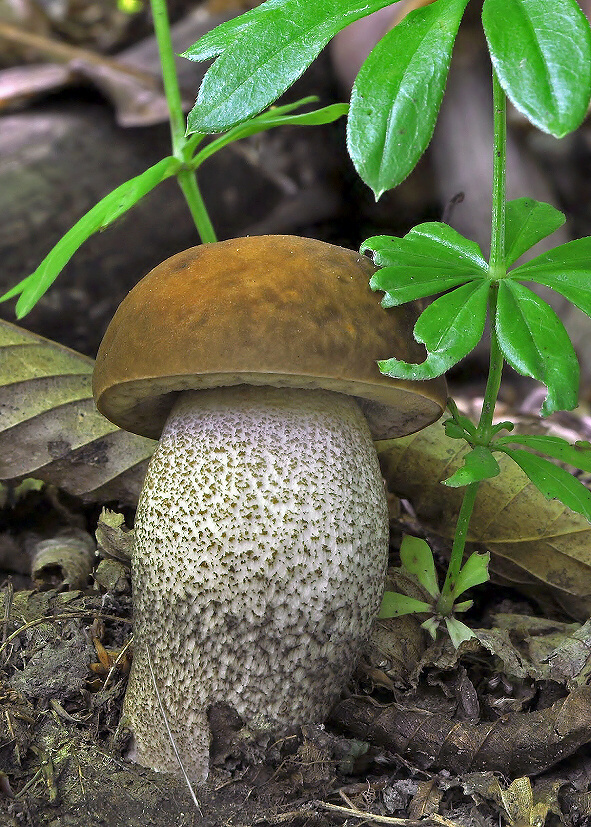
(261, 543)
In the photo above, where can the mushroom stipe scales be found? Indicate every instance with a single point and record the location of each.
(261, 536)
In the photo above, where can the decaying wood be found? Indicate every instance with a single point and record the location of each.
(524, 743)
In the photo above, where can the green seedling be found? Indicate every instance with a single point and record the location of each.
(417, 561)
(540, 53)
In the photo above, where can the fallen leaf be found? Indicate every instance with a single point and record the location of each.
(19, 84)
(533, 541)
(521, 743)
(50, 428)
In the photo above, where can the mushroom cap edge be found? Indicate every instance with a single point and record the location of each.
(285, 311)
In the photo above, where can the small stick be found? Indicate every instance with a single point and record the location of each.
(401, 822)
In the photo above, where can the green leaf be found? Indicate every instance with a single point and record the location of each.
(464, 422)
(271, 118)
(555, 483)
(454, 430)
(566, 269)
(463, 606)
(431, 258)
(541, 52)
(527, 222)
(449, 328)
(262, 53)
(397, 94)
(216, 40)
(534, 342)
(111, 207)
(417, 559)
(577, 454)
(505, 425)
(396, 605)
(458, 631)
(431, 625)
(474, 572)
(479, 464)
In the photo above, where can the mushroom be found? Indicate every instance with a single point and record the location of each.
(261, 535)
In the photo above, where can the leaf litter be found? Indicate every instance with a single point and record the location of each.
(498, 729)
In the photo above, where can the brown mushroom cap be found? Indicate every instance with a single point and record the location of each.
(263, 310)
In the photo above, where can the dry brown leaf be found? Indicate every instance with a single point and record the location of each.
(532, 540)
(50, 428)
(522, 743)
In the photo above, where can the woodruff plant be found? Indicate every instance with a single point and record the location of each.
(541, 60)
(540, 52)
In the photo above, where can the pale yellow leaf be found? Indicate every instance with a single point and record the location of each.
(50, 428)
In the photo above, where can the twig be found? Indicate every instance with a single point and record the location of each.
(401, 822)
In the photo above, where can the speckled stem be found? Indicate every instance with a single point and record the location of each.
(261, 546)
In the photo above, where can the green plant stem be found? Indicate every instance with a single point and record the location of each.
(181, 148)
(496, 264)
(196, 204)
(493, 382)
(446, 600)
(497, 269)
(169, 76)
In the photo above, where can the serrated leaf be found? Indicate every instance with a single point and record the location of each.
(396, 605)
(450, 328)
(553, 481)
(262, 55)
(542, 56)
(397, 94)
(50, 428)
(430, 259)
(577, 454)
(535, 543)
(527, 222)
(474, 572)
(446, 246)
(479, 464)
(566, 269)
(535, 343)
(108, 209)
(417, 559)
